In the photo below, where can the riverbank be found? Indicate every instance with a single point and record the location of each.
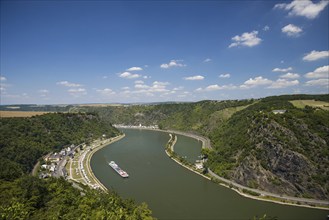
(241, 190)
(79, 169)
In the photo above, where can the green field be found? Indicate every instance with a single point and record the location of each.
(312, 103)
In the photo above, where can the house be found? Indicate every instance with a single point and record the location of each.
(199, 166)
(63, 152)
(279, 111)
(52, 168)
(44, 166)
(54, 158)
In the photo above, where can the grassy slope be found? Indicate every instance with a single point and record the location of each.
(312, 103)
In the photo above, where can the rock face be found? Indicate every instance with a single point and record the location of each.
(284, 153)
(280, 162)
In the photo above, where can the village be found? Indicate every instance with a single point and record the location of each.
(73, 163)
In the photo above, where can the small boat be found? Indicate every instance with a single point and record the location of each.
(121, 172)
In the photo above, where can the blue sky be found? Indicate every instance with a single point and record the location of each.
(60, 52)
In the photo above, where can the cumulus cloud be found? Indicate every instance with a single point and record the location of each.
(141, 86)
(291, 30)
(207, 60)
(215, 87)
(106, 91)
(2, 78)
(318, 82)
(290, 76)
(43, 92)
(128, 75)
(266, 28)
(135, 68)
(172, 63)
(305, 8)
(77, 92)
(246, 39)
(282, 69)
(68, 84)
(257, 81)
(198, 77)
(225, 75)
(321, 72)
(178, 88)
(316, 55)
(139, 82)
(283, 83)
(156, 87)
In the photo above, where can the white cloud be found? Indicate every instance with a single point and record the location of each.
(2, 78)
(141, 86)
(257, 81)
(318, 82)
(106, 91)
(43, 92)
(316, 55)
(321, 72)
(198, 77)
(68, 84)
(207, 60)
(125, 88)
(135, 68)
(157, 83)
(226, 75)
(178, 88)
(290, 76)
(283, 83)
(291, 30)
(213, 87)
(139, 82)
(282, 70)
(266, 28)
(304, 8)
(128, 75)
(216, 87)
(172, 63)
(156, 87)
(246, 39)
(77, 92)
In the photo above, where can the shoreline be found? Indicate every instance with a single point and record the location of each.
(238, 189)
(89, 156)
(83, 161)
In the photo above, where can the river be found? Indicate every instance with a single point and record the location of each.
(172, 191)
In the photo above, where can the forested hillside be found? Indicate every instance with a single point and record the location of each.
(200, 117)
(23, 141)
(283, 153)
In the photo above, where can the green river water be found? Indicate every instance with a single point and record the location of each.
(172, 191)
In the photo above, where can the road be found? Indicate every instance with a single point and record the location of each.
(264, 193)
(59, 168)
